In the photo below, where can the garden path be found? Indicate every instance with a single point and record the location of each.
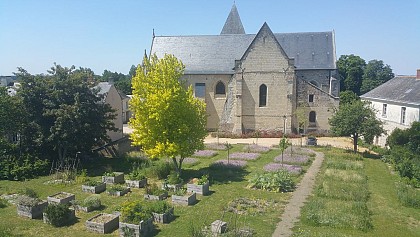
(304, 189)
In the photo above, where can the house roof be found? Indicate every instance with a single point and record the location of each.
(233, 24)
(401, 89)
(103, 87)
(216, 54)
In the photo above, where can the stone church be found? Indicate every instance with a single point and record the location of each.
(266, 81)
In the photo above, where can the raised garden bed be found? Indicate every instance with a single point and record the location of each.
(156, 197)
(94, 189)
(186, 200)
(118, 192)
(142, 229)
(172, 186)
(163, 217)
(197, 188)
(32, 211)
(66, 220)
(103, 223)
(116, 178)
(61, 198)
(136, 183)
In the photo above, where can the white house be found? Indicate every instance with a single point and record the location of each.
(396, 102)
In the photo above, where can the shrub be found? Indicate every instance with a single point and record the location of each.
(57, 214)
(173, 178)
(292, 169)
(408, 195)
(158, 169)
(134, 211)
(153, 189)
(136, 174)
(22, 168)
(93, 201)
(116, 188)
(29, 192)
(93, 183)
(109, 174)
(159, 206)
(279, 181)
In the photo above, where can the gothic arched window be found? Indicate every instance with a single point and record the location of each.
(263, 95)
(312, 117)
(220, 88)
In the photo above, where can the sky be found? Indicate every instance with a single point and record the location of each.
(113, 34)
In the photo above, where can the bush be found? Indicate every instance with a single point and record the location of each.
(92, 183)
(408, 195)
(57, 214)
(93, 201)
(279, 181)
(134, 211)
(21, 168)
(136, 174)
(159, 206)
(29, 193)
(173, 178)
(116, 188)
(158, 169)
(153, 189)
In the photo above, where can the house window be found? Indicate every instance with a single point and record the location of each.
(312, 117)
(384, 107)
(263, 95)
(403, 109)
(200, 90)
(220, 88)
(311, 98)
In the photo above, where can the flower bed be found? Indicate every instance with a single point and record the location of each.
(91, 187)
(113, 178)
(32, 211)
(88, 204)
(244, 156)
(273, 167)
(256, 148)
(61, 198)
(296, 159)
(118, 191)
(142, 229)
(205, 153)
(215, 146)
(103, 223)
(58, 215)
(232, 164)
(136, 183)
(185, 200)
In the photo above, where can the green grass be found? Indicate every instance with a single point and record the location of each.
(381, 214)
(226, 186)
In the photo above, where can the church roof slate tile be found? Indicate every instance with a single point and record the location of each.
(400, 89)
(233, 24)
(216, 54)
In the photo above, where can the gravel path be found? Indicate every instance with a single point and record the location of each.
(292, 211)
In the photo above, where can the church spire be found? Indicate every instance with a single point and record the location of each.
(233, 24)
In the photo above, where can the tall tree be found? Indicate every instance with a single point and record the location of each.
(168, 120)
(347, 97)
(66, 114)
(351, 69)
(375, 74)
(356, 119)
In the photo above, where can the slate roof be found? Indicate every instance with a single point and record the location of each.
(103, 87)
(233, 24)
(401, 89)
(216, 54)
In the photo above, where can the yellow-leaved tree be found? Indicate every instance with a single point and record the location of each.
(168, 120)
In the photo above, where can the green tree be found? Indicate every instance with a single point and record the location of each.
(347, 97)
(351, 70)
(66, 115)
(168, 120)
(356, 119)
(375, 74)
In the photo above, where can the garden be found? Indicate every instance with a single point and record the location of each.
(242, 194)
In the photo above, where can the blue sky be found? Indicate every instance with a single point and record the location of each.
(113, 34)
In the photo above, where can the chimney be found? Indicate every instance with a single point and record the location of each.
(418, 74)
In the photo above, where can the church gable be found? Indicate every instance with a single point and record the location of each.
(265, 53)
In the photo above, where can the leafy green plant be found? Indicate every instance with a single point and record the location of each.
(134, 211)
(57, 214)
(116, 188)
(92, 183)
(81, 176)
(136, 174)
(203, 179)
(153, 189)
(180, 192)
(173, 178)
(159, 207)
(279, 181)
(109, 174)
(93, 201)
(158, 169)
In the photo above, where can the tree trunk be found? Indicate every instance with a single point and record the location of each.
(355, 137)
(178, 165)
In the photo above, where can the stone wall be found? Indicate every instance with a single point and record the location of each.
(214, 103)
(323, 105)
(321, 79)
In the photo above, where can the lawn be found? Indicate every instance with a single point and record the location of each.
(259, 210)
(356, 196)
